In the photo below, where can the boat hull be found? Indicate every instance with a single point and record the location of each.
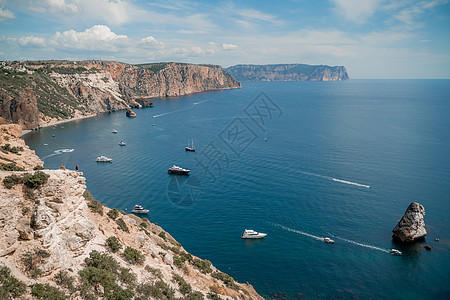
(255, 236)
(143, 211)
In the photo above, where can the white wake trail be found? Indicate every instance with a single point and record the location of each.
(337, 179)
(59, 152)
(195, 103)
(360, 244)
(300, 232)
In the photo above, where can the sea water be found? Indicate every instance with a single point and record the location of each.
(299, 161)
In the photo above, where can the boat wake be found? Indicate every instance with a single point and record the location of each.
(195, 103)
(58, 152)
(300, 232)
(360, 244)
(337, 179)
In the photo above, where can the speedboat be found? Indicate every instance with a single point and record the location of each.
(251, 234)
(103, 159)
(328, 240)
(114, 131)
(395, 252)
(138, 209)
(178, 170)
(122, 143)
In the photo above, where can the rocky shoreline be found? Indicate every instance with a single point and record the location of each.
(58, 242)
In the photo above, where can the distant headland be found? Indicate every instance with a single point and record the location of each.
(288, 72)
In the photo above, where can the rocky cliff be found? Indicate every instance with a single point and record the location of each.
(411, 227)
(288, 72)
(34, 93)
(57, 242)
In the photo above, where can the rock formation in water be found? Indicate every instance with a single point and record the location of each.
(130, 113)
(288, 72)
(34, 93)
(411, 227)
(56, 239)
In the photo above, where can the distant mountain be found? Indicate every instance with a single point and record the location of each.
(288, 72)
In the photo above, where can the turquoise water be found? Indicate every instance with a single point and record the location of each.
(342, 159)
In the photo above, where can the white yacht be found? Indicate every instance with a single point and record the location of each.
(178, 170)
(251, 234)
(103, 159)
(395, 252)
(328, 240)
(138, 209)
(122, 143)
(114, 131)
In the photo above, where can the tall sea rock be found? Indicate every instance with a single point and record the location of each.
(411, 227)
(288, 72)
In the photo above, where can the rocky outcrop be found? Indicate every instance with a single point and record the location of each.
(288, 72)
(20, 109)
(64, 90)
(411, 227)
(59, 229)
(130, 113)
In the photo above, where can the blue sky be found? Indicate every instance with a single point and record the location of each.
(372, 38)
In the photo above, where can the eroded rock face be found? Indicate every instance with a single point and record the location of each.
(21, 109)
(411, 227)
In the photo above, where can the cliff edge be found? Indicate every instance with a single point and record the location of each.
(58, 242)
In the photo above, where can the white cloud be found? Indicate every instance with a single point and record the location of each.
(5, 14)
(356, 11)
(98, 37)
(151, 42)
(413, 10)
(229, 46)
(32, 42)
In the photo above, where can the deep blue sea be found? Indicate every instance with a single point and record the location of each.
(296, 160)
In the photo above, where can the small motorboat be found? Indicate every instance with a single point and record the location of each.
(103, 159)
(251, 234)
(395, 252)
(178, 170)
(138, 209)
(328, 240)
(114, 131)
(122, 143)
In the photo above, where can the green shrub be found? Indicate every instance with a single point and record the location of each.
(203, 265)
(35, 180)
(156, 272)
(10, 167)
(113, 244)
(38, 168)
(227, 279)
(113, 213)
(46, 291)
(101, 261)
(66, 281)
(133, 255)
(11, 180)
(162, 235)
(213, 296)
(178, 261)
(184, 287)
(10, 287)
(33, 260)
(194, 296)
(127, 277)
(122, 225)
(143, 225)
(94, 204)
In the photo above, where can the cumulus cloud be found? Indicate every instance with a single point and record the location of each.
(151, 42)
(229, 46)
(31, 41)
(356, 11)
(98, 37)
(5, 14)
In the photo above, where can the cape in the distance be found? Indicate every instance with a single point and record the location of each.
(288, 72)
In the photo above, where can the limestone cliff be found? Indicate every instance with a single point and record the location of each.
(288, 72)
(55, 235)
(34, 93)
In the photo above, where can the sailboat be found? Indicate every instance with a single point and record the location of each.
(190, 147)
